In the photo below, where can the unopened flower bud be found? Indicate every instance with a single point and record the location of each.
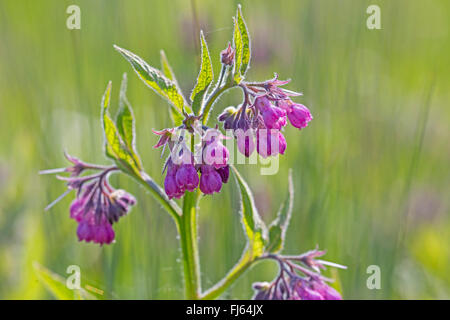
(187, 177)
(299, 116)
(228, 116)
(224, 173)
(270, 142)
(227, 55)
(210, 181)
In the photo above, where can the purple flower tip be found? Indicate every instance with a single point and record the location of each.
(210, 180)
(187, 177)
(299, 116)
(270, 143)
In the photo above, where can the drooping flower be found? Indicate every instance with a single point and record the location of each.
(210, 180)
(327, 292)
(96, 208)
(274, 117)
(209, 157)
(298, 114)
(171, 187)
(215, 153)
(301, 290)
(270, 142)
(266, 106)
(187, 177)
(245, 144)
(97, 205)
(296, 280)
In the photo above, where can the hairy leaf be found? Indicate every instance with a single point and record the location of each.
(277, 229)
(246, 52)
(154, 79)
(237, 40)
(126, 123)
(204, 79)
(176, 116)
(115, 147)
(166, 68)
(254, 227)
(56, 285)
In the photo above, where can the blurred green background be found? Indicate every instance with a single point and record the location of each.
(371, 171)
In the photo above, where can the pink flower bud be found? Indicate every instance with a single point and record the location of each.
(274, 117)
(327, 292)
(270, 142)
(172, 189)
(216, 154)
(210, 180)
(299, 115)
(187, 177)
(227, 55)
(245, 144)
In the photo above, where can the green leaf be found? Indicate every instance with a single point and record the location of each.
(254, 227)
(125, 118)
(166, 68)
(176, 116)
(204, 79)
(277, 229)
(246, 54)
(126, 123)
(154, 79)
(237, 40)
(56, 285)
(115, 147)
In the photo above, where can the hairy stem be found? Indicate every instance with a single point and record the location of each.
(189, 246)
(218, 90)
(158, 193)
(239, 268)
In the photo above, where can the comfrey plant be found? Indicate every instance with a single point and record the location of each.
(198, 163)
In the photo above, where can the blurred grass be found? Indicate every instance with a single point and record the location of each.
(371, 170)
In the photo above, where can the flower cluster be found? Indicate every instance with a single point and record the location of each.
(289, 285)
(97, 205)
(209, 158)
(262, 116)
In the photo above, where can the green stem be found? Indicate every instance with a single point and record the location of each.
(244, 263)
(189, 246)
(169, 205)
(216, 93)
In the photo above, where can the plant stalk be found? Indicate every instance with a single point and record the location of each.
(218, 90)
(239, 268)
(189, 246)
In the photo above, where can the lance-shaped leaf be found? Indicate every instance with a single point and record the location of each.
(154, 79)
(115, 147)
(56, 285)
(245, 38)
(254, 227)
(237, 41)
(167, 70)
(204, 79)
(277, 229)
(125, 121)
